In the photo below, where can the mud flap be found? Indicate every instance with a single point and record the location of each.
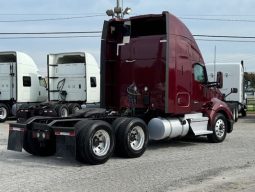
(16, 137)
(65, 144)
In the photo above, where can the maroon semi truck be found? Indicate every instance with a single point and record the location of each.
(153, 86)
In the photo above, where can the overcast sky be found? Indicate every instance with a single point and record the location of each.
(232, 11)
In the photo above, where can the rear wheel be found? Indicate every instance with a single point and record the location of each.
(236, 114)
(117, 122)
(94, 141)
(39, 148)
(131, 138)
(73, 108)
(4, 112)
(243, 113)
(62, 110)
(219, 128)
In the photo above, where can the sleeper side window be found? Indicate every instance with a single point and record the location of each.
(93, 81)
(26, 81)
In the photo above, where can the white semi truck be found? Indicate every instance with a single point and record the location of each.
(233, 75)
(73, 81)
(20, 82)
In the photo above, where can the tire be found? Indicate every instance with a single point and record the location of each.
(39, 148)
(219, 128)
(73, 107)
(131, 138)
(78, 126)
(95, 141)
(4, 112)
(236, 114)
(244, 113)
(117, 122)
(61, 110)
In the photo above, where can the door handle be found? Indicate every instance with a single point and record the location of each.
(130, 61)
(195, 102)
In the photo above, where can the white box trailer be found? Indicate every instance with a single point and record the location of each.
(233, 77)
(73, 81)
(20, 82)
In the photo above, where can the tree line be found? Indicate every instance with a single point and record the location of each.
(249, 79)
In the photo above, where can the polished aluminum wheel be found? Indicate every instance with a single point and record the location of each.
(64, 112)
(136, 138)
(3, 113)
(234, 114)
(220, 128)
(101, 143)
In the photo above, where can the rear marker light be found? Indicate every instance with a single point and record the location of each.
(60, 133)
(16, 129)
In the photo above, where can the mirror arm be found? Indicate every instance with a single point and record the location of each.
(227, 95)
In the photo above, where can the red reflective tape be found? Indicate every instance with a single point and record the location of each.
(17, 129)
(64, 133)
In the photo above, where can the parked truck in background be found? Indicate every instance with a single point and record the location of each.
(20, 82)
(73, 81)
(233, 77)
(154, 86)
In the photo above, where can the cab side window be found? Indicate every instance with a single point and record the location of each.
(199, 73)
(42, 82)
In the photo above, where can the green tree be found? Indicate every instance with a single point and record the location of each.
(249, 77)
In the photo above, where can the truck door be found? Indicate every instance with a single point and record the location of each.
(7, 81)
(199, 89)
(42, 92)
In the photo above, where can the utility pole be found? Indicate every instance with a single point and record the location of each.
(118, 9)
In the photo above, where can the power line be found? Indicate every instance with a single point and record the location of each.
(226, 36)
(85, 36)
(225, 40)
(99, 32)
(217, 19)
(199, 15)
(220, 15)
(50, 37)
(51, 19)
(81, 16)
(50, 33)
(42, 14)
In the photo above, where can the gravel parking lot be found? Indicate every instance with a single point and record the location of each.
(186, 165)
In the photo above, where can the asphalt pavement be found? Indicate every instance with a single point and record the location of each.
(188, 165)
